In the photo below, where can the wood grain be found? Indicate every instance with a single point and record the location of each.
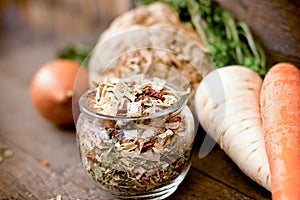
(218, 166)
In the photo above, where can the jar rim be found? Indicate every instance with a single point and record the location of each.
(84, 108)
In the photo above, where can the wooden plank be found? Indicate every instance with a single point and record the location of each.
(220, 167)
(198, 186)
(36, 181)
(23, 176)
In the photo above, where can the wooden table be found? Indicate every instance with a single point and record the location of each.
(35, 141)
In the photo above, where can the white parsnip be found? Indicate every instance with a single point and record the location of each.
(227, 106)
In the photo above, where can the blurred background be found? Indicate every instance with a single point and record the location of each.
(61, 16)
(70, 20)
(275, 23)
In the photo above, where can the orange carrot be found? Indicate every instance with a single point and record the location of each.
(280, 109)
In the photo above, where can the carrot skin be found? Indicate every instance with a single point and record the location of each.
(280, 109)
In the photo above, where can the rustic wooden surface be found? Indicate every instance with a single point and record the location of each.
(34, 140)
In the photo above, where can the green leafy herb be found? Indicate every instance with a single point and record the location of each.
(78, 52)
(228, 41)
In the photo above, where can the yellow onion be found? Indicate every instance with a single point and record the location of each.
(51, 90)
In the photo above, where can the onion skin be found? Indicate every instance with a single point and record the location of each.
(51, 90)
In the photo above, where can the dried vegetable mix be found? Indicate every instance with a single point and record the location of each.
(133, 97)
(133, 152)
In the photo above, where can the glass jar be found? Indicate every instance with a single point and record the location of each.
(143, 157)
